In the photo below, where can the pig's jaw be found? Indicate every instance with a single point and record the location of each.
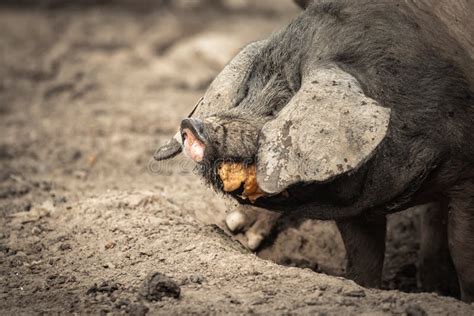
(193, 147)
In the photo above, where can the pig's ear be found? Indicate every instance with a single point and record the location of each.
(328, 128)
(222, 94)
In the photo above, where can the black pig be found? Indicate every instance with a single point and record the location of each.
(350, 113)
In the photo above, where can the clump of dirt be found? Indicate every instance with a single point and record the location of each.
(157, 285)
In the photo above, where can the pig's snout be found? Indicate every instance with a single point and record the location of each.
(192, 134)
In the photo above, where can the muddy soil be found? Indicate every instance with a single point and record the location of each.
(86, 96)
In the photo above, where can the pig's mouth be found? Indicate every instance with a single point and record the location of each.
(193, 147)
(193, 139)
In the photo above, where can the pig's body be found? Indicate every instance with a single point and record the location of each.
(425, 155)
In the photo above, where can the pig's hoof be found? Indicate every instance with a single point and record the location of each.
(235, 221)
(251, 225)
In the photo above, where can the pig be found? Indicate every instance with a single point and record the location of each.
(351, 112)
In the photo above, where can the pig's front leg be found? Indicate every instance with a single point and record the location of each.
(364, 240)
(435, 269)
(252, 225)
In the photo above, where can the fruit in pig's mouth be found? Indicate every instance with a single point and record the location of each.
(234, 175)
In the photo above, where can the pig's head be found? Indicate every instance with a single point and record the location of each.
(226, 122)
(296, 117)
(203, 135)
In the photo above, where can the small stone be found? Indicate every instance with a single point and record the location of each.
(110, 244)
(323, 287)
(60, 200)
(196, 278)
(314, 298)
(109, 265)
(104, 287)
(138, 310)
(64, 247)
(355, 293)
(56, 279)
(386, 307)
(415, 310)
(157, 285)
(36, 230)
(312, 301)
(121, 303)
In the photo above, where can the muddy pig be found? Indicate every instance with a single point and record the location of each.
(351, 112)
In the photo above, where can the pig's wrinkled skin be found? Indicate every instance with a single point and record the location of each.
(352, 112)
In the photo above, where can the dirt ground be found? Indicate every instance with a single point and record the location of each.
(86, 96)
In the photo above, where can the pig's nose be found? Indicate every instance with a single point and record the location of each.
(192, 133)
(195, 126)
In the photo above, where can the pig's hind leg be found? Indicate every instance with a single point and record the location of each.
(461, 236)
